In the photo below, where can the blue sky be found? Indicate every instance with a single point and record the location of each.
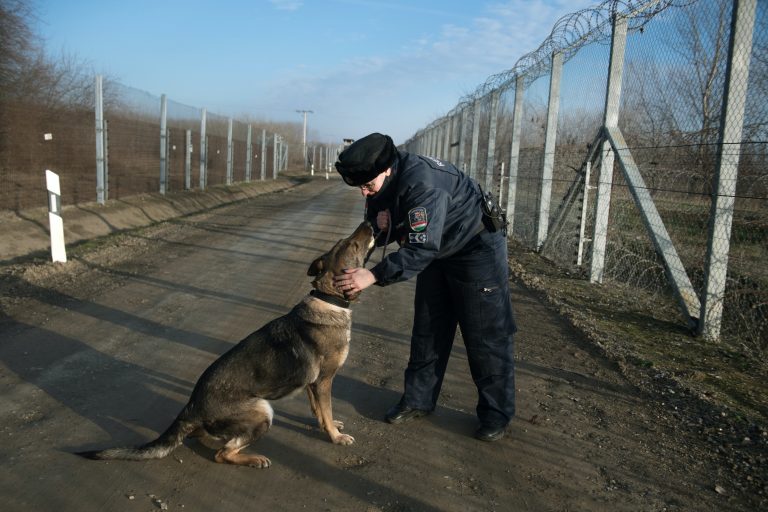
(360, 65)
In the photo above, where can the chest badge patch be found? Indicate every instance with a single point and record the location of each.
(417, 218)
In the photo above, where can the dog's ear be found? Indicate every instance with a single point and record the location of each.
(316, 267)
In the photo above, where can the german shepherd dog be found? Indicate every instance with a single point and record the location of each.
(302, 349)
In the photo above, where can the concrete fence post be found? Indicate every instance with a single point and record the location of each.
(514, 151)
(490, 161)
(248, 154)
(605, 174)
(550, 141)
(230, 167)
(188, 160)
(163, 143)
(263, 158)
(729, 147)
(99, 110)
(203, 148)
(475, 138)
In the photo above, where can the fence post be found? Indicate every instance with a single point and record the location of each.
(106, 159)
(163, 143)
(275, 156)
(263, 159)
(605, 176)
(475, 138)
(230, 170)
(514, 152)
(462, 139)
(490, 160)
(188, 161)
(729, 149)
(314, 156)
(453, 152)
(99, 107)
(249, 154)
(203, 149)
(550, 141)
(447, 139)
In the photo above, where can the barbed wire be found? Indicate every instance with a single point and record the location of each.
(569, 34)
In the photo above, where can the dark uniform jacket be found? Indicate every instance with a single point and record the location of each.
(435, 210)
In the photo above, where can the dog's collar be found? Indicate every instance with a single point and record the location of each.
(331, 299)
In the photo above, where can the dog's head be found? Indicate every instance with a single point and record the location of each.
(350, 252)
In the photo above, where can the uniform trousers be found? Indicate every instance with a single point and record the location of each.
(469, 289)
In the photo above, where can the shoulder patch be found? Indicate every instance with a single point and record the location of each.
(417, 238)
(435, 161)
(417, 218)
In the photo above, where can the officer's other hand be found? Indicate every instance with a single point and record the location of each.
(382, 220)
(353, 280)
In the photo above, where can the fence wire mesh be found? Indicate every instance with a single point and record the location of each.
(700, 193)
(58, 132)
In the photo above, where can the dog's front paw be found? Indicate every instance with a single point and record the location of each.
(344, 439)
(259, 461)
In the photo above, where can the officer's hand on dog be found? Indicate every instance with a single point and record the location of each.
(382, 220)
(353, 280)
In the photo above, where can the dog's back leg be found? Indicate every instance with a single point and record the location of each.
(241, 429)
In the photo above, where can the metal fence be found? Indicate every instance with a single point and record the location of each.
(632, 145)
(117, 141)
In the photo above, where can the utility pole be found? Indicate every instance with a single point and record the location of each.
(304, 145)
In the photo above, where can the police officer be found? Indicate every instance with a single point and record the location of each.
(434, 212)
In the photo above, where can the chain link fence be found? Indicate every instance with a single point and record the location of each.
(141, 150)
(631, 146)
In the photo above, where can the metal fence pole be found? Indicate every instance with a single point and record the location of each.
(188, 161)
(163, 143)
(99, 108)
(475, 138)
(461, 164)
(230, 168)
(106, 159)
(514, 152)
(550, 140)
(605, 176)
(249, 154)
(453, 152)
(447, 140)
(729, 150)
(490, 161)
(203, 148)
(263, 159)
(275, 156)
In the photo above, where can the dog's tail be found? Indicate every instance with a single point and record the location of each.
(157, 449)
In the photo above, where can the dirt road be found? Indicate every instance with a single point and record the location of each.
(104, 351)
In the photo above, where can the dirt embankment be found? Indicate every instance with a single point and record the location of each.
(710, 391)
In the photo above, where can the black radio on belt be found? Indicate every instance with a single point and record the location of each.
(494, 216)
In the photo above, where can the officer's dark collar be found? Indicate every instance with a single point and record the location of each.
(388, 186)
(330, 299)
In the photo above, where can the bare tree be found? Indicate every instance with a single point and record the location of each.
(28, 75)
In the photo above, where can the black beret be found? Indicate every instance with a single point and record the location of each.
(366, 158)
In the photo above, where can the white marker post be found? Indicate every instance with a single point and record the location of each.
(58, 252)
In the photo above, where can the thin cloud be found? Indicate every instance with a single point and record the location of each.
(286, 5)
(430, 73)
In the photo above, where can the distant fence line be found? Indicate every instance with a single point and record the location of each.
(632, 144)
(131, 142)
